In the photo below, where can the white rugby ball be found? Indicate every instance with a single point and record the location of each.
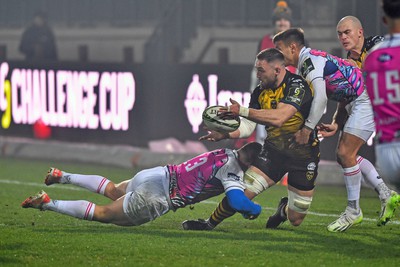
(212, 120)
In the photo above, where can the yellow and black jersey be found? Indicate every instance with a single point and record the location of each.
(293, 90)
(369, 42)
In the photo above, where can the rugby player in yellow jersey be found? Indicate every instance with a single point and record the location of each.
(281, 102)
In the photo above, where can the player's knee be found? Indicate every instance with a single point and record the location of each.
(295, 221)
(341, 156)
(255, 182)
(113, 192)
(298, 203)
(103, 214)
(345, 157)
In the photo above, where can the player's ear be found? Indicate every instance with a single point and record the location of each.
(384, 20)
(361, 31)
(293, 47)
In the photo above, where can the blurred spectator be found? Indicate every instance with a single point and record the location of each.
(38, 42)
(282, 20)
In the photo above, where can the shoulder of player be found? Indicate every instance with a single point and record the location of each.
(371, 41)
(311, 65)
(294, 80)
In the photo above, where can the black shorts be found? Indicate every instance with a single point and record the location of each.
(302, 168)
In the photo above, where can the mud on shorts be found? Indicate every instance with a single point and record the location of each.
(302, 171)
(147, 196)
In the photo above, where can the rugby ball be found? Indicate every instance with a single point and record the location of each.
(213, 121)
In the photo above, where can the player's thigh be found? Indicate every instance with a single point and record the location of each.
(349, 145)
(147, 201)
(303, 173)
(271, 164)
(112, 213)
(115, 191)
(121, 187)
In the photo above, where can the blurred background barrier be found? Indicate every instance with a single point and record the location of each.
(123, 156)
(116, 104)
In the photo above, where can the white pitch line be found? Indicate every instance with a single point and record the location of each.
(42, 185)
(206, 201)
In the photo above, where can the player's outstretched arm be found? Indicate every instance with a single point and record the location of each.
(239, 202)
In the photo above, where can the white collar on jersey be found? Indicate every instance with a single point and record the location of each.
(302, 56)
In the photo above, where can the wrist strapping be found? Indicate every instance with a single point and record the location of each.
(244, 112)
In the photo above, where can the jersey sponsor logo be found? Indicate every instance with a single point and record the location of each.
(233, 176)
(296, 94)
(311, 166)
(384, 57)
(307, 67)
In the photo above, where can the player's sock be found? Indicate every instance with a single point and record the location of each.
(372, 177)
(352, 179)
(222, 212)
(81, 209)
(94, 183)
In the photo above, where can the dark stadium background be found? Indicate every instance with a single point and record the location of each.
(161, 70)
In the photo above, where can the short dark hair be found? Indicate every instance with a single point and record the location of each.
(391, 8)
(292, 35)
(270, 55)
(250, 152)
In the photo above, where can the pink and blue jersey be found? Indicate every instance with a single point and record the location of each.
(344, 82)
(382, 74)
(205, 176)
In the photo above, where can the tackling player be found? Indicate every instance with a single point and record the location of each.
(153, 192)
(382, 72)
(281, 102)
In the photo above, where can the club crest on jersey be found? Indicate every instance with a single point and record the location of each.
(307, 67)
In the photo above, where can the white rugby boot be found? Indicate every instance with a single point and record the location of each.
(346, 220)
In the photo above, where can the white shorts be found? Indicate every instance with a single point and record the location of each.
(388, 161)
(147, 195)
(361, 118)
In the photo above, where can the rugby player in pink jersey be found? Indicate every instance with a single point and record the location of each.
(342, 81)
(351, 36)
(153, 192)
(382, 72)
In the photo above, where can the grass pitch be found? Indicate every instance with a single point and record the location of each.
(29, 237)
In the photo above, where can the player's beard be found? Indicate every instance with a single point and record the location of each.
(271, 83)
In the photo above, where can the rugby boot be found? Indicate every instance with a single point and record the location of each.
(37, 201)
(388, 207)
(53, 176)
(197, 225)
(279, 216)
(346, 220)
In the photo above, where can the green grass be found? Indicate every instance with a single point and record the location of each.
(32, 238)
